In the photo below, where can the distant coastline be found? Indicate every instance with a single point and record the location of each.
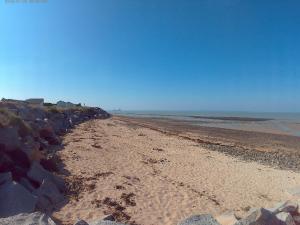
(278, 123)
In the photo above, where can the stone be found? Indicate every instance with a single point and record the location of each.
(296, 219)
(38, 174)
(205, 219)
(5, 178)
(49, 135)
(109, 217)
(227, 218)
(81, 222)
(260, 216)
(285, 218)
(15, 199)
(287, 206)
(48, 195)
(10, 138)
(36, 218)
(26, 183)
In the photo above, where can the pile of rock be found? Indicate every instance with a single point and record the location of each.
(29, 138)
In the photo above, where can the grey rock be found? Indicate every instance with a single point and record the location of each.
(260, 217)
(48, 195)
(287, 206)
(25, 183)
(5, 178)
(81, 222)
(10, 138)
(285, 218)
(36, 218)
(109, 217)
(205, 219)
(296, 219)
(15, 199)
(38, 174)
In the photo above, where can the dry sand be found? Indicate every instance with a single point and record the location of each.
(149, 178)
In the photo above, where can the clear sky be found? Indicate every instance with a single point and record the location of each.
(158, 55)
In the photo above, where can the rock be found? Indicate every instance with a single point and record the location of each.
(81, 222)
(26, 183)
(38, 174)
(36, 218)
(285, 218)
(288, 206)
(227, 218)
(15, 199)
(259, 217)
(48, 195)
(109, 217)
(9, 137)
(6, 163)
(17, 162)
(5, 178)
(296, 219)
(205, 219)
(49, 135)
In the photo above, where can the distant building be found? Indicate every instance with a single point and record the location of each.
(65, 104)
(12, 100)
(35, 101)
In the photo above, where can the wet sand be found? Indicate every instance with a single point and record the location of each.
(147, 174)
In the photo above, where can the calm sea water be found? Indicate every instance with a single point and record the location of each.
(283, 123)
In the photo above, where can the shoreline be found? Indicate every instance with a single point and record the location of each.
(276, 150)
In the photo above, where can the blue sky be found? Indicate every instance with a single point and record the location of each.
(158, 55)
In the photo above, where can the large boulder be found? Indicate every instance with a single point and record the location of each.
(36, 218)
(205, 219)
(48, 195)
(38, 174)
(15, 199)
(9, 137)
(5, 178)
(27, 184)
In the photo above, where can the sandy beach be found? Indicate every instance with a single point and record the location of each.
(149, 177)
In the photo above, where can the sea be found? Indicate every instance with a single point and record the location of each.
(269, 122)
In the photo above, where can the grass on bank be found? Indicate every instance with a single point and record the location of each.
(10, 119)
